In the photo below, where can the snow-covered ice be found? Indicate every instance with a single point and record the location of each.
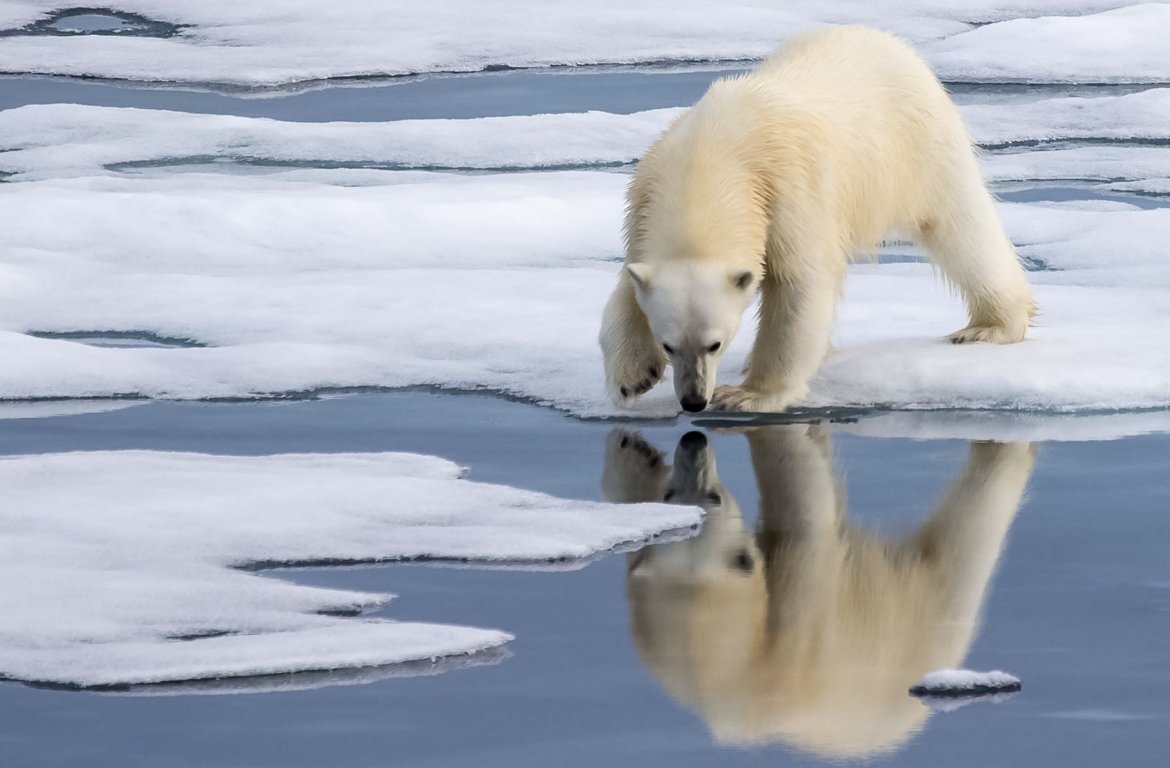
(496, 282)
(59, 140)
(1116, 46)
(298, 262)
(1124, 167)
(267, 43)
(123, 567)
(1142, 115)
(964, 681)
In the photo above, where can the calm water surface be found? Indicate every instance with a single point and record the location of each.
(610, 669)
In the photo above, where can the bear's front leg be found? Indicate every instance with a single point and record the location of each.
(634, 362)
(796, 318)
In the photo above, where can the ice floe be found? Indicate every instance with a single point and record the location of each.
(964, 681)
(124, 567)
(65, 139)
(495, 282)
(1143, 115)
(43, 141)
(265, 44)
(1119, 165)
(1116, 46)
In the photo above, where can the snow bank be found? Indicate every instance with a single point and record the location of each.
(267, 43)
(120, 567)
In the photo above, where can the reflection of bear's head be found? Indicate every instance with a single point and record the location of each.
(720, 571)
(807, 630)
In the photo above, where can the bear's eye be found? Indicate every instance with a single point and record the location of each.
(669, 349)
(715, 347)
(742, 562)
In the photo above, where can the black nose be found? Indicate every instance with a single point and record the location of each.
(694, 403)
(693, 441)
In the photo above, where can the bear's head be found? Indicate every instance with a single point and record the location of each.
(694, 308)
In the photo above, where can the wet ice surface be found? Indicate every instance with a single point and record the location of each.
(1075, 609)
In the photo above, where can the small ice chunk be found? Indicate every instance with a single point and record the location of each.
(965, 682)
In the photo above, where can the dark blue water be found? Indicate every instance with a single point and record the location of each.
(1079, 609)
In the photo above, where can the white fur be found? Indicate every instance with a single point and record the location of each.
(810, 629)
(841, 137)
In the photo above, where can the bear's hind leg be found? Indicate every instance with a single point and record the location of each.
(633, 361)
(967, 241)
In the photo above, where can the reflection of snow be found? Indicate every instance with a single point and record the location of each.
(262, 43)
(951, 703)
(46, 408)
(1099, 715)
(1014, 427)
(117, 566)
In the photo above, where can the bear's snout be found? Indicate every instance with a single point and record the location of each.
(693, 403)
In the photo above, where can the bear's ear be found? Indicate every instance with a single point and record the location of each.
(641, 274)
(741, 280)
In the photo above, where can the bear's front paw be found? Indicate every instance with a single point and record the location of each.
(634, 377)
(734, 398)
(986, 334)
(741, 398)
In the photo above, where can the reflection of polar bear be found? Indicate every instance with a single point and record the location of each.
(771, 182)
(810, 630)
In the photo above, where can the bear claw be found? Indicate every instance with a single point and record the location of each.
(985, 334)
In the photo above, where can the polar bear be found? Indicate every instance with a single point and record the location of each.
(808, 629)
(769, 185)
